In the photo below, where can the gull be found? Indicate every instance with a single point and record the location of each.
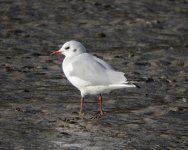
(89, 74)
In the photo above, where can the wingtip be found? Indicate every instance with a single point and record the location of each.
(137, 86)
(134, 85)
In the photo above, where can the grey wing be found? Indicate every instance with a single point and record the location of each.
(103, 63)
(95, 71)
(114, 76)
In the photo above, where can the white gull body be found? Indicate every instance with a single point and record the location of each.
(88, 73)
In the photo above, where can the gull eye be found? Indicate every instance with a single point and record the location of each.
(66, 48)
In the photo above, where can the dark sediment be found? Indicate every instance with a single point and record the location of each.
(145, 39)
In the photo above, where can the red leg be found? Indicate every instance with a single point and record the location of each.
(81, 104)
(100, 101)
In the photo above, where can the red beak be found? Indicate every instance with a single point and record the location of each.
(55, 53)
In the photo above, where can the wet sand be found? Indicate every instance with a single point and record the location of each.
(145, 39)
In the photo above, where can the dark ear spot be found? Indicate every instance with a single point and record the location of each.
(74, 50)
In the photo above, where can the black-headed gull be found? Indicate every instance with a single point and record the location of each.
(91, 75)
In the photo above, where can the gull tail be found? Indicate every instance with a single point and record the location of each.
(122, 85)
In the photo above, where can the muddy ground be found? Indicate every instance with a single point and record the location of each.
(146, 39)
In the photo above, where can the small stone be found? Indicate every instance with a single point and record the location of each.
(8, 67)
(18, 109)
(168, 81)
(26, 90)
(8, 57)
(64, 133)
(184, 100)
(36, 54)
(142, 63)
(45, 68)
(156, 21)
(97, 4)
(107, 6)
(148, 79)
(131, 55)
(101, 35)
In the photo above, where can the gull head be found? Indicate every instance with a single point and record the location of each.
(70, 48)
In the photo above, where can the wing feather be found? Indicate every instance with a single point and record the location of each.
(95, 71)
